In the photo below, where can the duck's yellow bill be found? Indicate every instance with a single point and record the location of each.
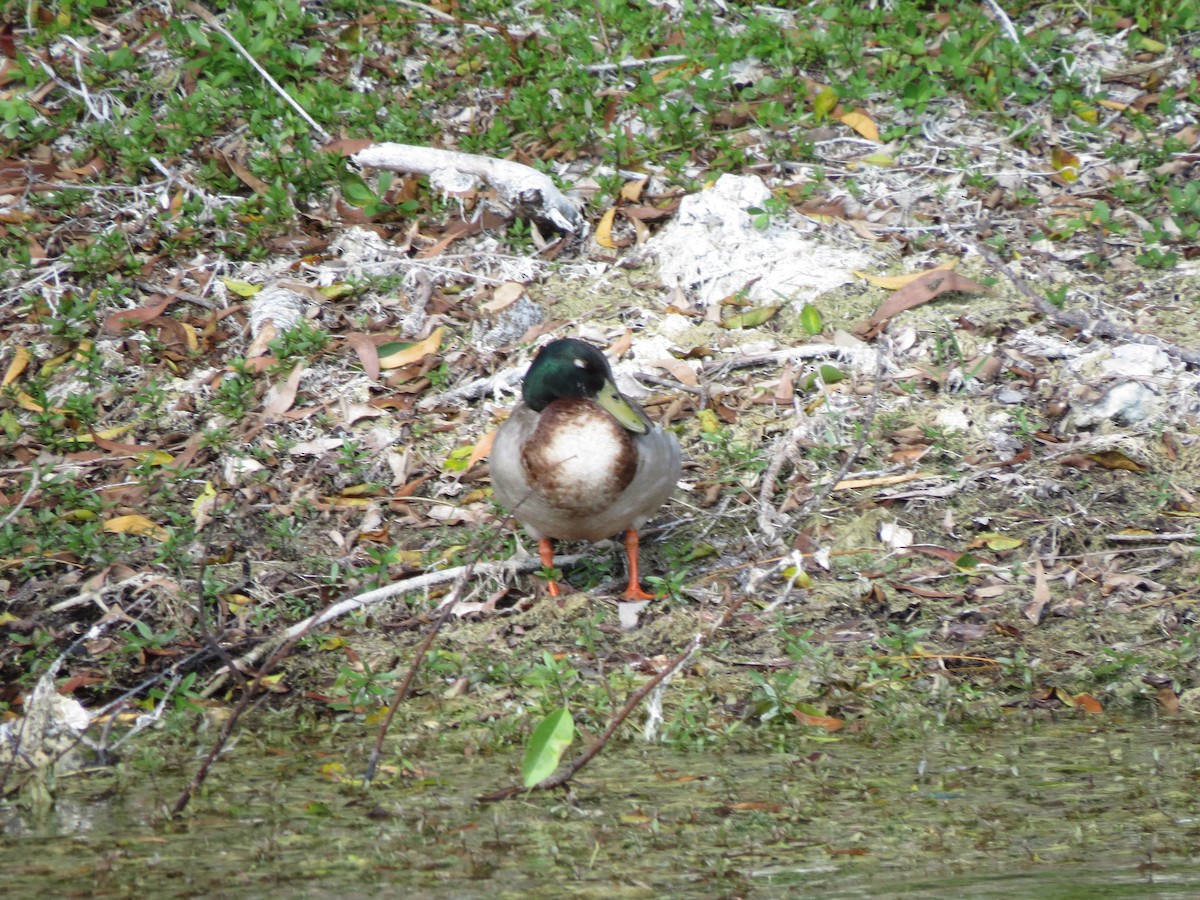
(622, 410)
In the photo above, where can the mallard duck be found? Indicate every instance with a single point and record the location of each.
(576, 460)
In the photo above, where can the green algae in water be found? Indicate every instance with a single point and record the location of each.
(1069, 809)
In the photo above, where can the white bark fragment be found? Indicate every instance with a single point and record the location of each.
(528, 191)
(280, 306)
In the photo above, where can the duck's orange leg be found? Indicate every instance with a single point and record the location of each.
(634, 590)
(546, 552)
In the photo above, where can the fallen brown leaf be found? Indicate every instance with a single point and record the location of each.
(282, 394)
(368, 353)
(1115, 459)
(922, 290)
(119, 321)
(829, 723)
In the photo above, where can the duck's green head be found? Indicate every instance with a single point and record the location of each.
(568, 369)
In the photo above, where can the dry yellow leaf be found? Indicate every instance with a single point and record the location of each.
(503, 297)
(135, 524)
(895, 282)
(861, 123)
(413, 352)
(632, 190)
(157, 458)
(27, 402)
(852, 484)
(56, 362)
(21, 359)
(367, 489)
(204, 504)
(189, 334)
(348, 502)
(604, 229)
(108, 434)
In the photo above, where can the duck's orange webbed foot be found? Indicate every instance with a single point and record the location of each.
(634, 590)
(546, 554)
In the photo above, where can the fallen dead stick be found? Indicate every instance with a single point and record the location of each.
(1084, 322)
(480, 387)
(1153, 538)
(406, 685)
(252, 690)
(377, 596)
(853, 483)
(859, 356)
(770, 520)
(529, 192)
(635, 700)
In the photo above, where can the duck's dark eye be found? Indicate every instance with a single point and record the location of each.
(581, 363)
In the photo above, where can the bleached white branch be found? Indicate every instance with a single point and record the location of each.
(630, 63)
(529, 192)
(369, 599)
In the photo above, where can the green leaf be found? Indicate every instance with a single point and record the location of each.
(966, 563)
(392, 347)
(546, 747)
(1148, 43)
(457, 460)
(355, 190)
(999, 542)
(241, 288)
(810, 320)
(699, 551)
(11, 425)
(828, 374)
(751, 318)
(824, 103)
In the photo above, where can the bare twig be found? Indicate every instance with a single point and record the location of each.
(34, 480)
(251, 691)
(635, 699)
(1153, 538)
(474, 390)
(202, 620)
(828, 487)
(431, 11)
(97, 595)
(769, 519)
(372, 598)
(1010, 32)
(406, 685)
(599, 68)
(197, 10)
(177, 292)
(671, 385)
(804, 351)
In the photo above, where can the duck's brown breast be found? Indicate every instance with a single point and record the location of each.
(579, 458)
